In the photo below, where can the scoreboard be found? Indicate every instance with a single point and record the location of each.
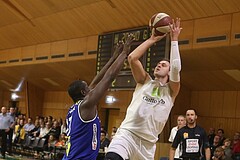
(125, 80)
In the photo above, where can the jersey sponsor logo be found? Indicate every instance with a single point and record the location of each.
(197, 135)
(151, 100)
(192, 146)
(94, 139)
(185, 135)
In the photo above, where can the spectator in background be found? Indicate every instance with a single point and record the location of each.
(51, 142)
(219, 154)
(63, 127)
(236, 146)
(220, 132)
(36, 130)
(55, 130)
(103, 146)
(104, 129)
(45, 120)
(62, 140)
(211, 135)
(227, 148)
(12, 127)
(181, 122)
(5, 124)
(19, 132)
(50, 119)
(216, 144)
(45, 131)
(60, 121)
(29, 126)
(104, 140)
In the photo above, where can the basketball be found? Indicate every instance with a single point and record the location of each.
(160, 22)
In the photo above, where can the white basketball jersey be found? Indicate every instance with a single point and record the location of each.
(148, 111)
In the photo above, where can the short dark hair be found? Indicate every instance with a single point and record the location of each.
(220, 129)
(74, 90)
(104, 132)
(164, 59)
(193, 110)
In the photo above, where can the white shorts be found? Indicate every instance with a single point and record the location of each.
(129, 146)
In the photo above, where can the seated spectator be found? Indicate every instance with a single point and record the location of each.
(36, 130)
(216, 144)
(51, 143)
(227, 149)
(60, 121)
(104, 140)
(19, 132)
(211, 135)
(220, 132)
(236, 146)
(44, 132)
(62, 140)
(63, 127)
(219, 154)
(29, 126)
(55, 130)
(103, 146)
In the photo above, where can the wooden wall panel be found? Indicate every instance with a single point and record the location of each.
(56, 104)
(121, 102)
(35, 100)
(1, 98)
(186, 34)
(92, 42)
(113, 119)
(194, 99)
(59, 47)
(210, 27)
(222, 110)
(43, 50)
(28, 52)
(162, 150)
(6, 97)
(14, 55)
(78, 46)
(230, 125)
(235, 29)
(204, 103)
(238, 106)
(229, 103)
(216, 104)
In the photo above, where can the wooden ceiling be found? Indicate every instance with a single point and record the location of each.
(31, 22)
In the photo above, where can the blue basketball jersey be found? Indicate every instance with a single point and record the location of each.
(83, 136)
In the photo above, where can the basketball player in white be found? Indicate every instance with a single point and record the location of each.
(151, 103)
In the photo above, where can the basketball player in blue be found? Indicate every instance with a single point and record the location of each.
(151, 103)
(83, 125)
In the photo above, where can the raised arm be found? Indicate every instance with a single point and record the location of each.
(89, 104)
(138, 71)
(100, 75)
(175, 61)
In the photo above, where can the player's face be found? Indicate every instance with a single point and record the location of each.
(191, 117)
(181, 121)
(162, 69)
(86, 88)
